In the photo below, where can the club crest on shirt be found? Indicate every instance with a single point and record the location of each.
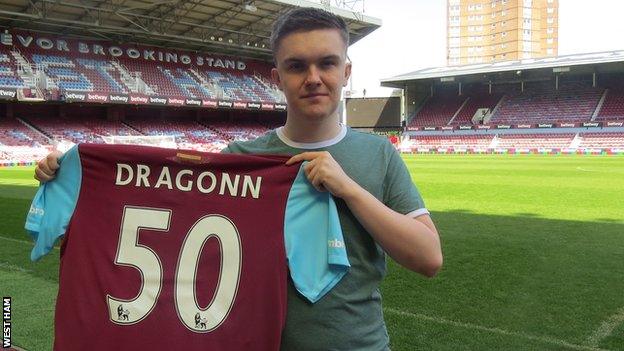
(122, 313)
(200, 322)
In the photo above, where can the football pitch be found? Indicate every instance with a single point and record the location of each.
(533, 247)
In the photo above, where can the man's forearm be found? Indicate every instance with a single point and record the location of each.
(407, 240)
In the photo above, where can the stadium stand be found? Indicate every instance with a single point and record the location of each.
(8, 71)
(451, 141)
(69, 72)
(15, 133)
(602, 140)
(79, 131)
(530, 141)
(542, 103)
(613, 106)
(438, 109)
(475, 102)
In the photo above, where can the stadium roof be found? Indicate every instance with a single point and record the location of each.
(230, 27)
(582, 63)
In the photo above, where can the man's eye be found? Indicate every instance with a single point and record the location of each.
(295, 67)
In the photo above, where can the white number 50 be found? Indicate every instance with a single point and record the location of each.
(146, 261)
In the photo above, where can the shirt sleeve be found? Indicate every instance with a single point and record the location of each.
(400, 192)
(54, 204)
(315, 248)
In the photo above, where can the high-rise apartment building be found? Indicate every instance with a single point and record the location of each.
(483, 31)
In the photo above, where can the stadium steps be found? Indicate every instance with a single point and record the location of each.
(26, 73)
(203, 81)
(576, 141)
(220, 133)
(458, 111)
(131, 127)
(35, 129)
(495, 109)
(600, 103)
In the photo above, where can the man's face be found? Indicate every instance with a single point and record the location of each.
(311, 71)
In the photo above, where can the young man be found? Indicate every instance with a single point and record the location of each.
(379, 207)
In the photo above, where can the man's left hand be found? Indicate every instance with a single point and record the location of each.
(325, 173)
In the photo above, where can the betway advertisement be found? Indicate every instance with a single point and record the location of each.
(138, 99)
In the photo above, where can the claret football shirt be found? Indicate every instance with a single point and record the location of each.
(179, 250)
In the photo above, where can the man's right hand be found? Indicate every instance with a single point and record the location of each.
(46, 167)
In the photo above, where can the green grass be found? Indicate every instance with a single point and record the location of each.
(533, 245)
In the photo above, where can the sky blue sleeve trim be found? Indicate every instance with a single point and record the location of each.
(315, 248)
(54, 204)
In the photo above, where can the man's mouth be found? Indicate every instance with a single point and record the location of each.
(313, 95)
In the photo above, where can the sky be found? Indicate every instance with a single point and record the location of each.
(413, 36)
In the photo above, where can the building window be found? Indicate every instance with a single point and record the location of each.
(503, 23)
(504, 34)
(550, 40)
(550, 20)
(526, 45)
(503, 46)
(550, 30)
(503, 13)
(549, 51)
(527, 3)
(550, 10)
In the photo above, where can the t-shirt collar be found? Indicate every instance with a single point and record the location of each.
(316, 145)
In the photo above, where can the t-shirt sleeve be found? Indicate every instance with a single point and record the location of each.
(54, 204)
(400, 192)
(317, 257)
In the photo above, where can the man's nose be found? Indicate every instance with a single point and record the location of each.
(313, 77)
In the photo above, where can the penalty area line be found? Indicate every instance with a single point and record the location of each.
(543, 339)
(606, 328)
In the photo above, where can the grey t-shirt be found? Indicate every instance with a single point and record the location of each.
(350, 316)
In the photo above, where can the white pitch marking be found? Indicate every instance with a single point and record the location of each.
(606, 328)
(12, 267)
(22, 241)
(495, 330)
(584, 170)
(5, 182)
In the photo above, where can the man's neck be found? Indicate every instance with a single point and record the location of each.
(303, 131)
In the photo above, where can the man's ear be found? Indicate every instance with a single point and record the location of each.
(347, 74)
(276, 78)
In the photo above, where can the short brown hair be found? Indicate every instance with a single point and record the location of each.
(303, 19)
